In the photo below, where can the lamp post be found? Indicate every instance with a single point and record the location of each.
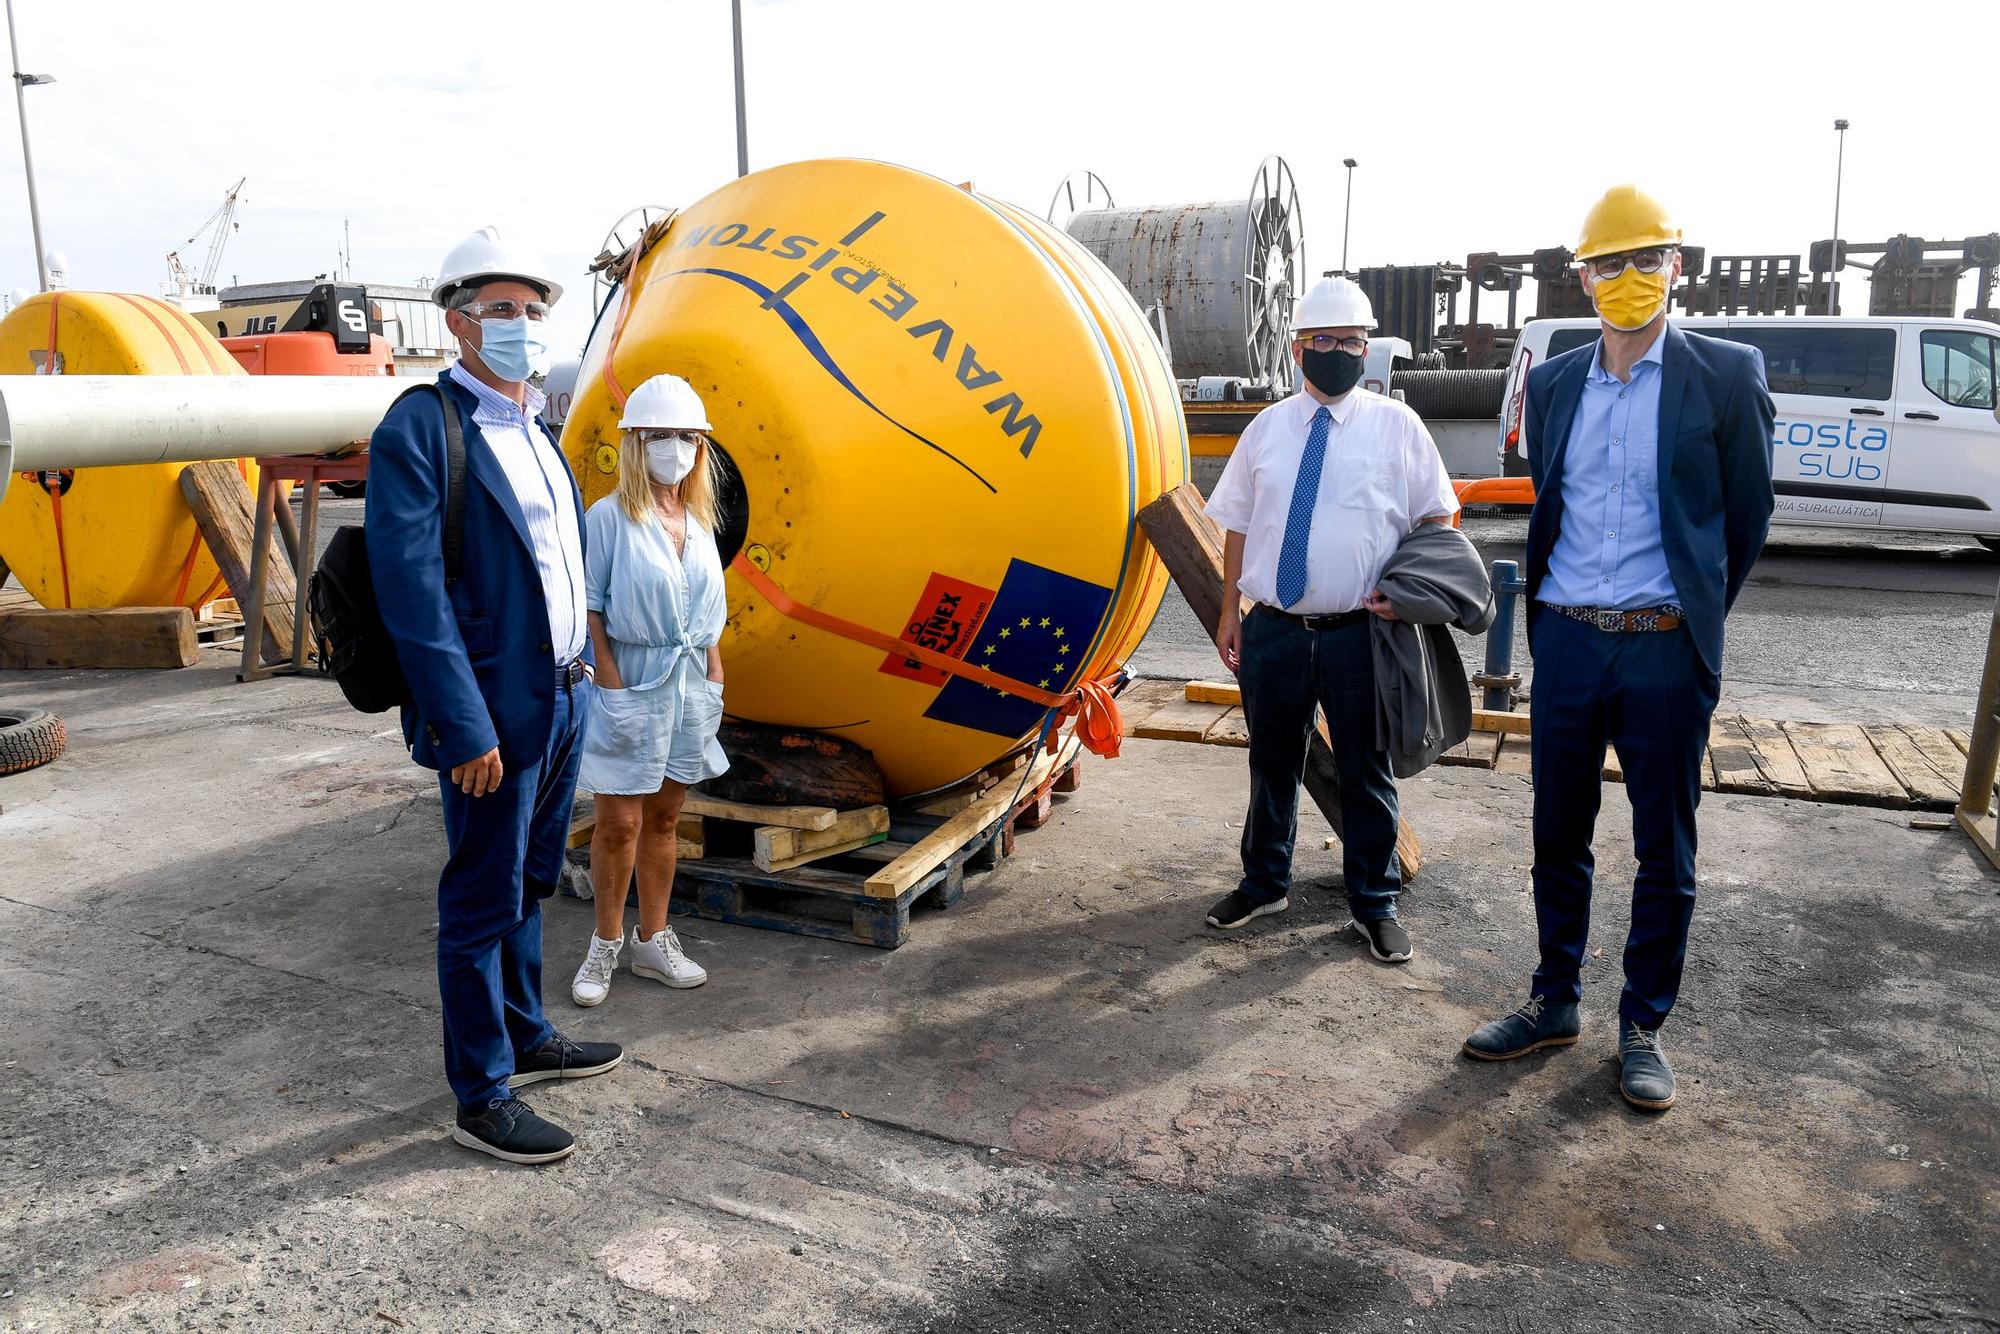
(21, 82)
(742, 131)
(1345, 213)
(1833, 260)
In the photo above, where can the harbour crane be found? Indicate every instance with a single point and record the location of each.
(222, 222)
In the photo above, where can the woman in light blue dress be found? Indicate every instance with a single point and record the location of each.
(653, 587)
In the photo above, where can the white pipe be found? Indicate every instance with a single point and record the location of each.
(91, 421)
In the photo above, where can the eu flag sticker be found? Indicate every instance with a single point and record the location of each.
(1039, 628)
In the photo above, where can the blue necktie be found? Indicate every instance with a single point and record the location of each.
(1299, 523)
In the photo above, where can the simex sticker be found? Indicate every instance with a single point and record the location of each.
(946, 620)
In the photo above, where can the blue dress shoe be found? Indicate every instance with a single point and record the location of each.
(1536, 1025)
(1644, 1076)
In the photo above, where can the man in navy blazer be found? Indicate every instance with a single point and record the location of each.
(495, 664)
(1651, 457)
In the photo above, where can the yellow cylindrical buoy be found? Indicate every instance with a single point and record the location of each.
(106, 537)
(942, 417)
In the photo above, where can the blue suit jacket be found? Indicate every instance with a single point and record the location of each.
(477, 657)
(1715, 470)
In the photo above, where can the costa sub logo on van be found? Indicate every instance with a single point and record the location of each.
(1826, 450)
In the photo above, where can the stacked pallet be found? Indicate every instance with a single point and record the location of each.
(855, 875)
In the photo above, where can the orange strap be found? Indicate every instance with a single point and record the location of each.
(1099, 724)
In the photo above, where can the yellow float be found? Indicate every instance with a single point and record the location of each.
(943, 416)
(106, 537)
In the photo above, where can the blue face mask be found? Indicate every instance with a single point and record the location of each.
(513, 349)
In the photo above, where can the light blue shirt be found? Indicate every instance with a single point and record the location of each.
(1609, 552)
(543, 487)
(663, 610)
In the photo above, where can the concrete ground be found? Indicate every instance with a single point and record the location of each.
(1064, 1105)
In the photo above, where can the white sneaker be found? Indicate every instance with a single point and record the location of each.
(661, 959)
(593, 980)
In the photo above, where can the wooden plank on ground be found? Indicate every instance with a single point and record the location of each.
(1144, 699)
(1478, 751)
(1180, 720)
(1190, 545)
(1842, 766)
(226, 513)
(1961, 740)
(968, 824)
(1735, 759)
(1513, 757)
(1932, 785)
(1499, 720)
(1777, 759)
(1214, 692)
(110, 637)
(1232, 730)
(1614, 767)
(1708, 757)
(791, 817)
(777, 848)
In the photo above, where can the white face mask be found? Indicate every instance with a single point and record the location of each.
(667, 461)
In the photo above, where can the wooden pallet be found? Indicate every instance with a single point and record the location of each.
(1895, 765)
(865, 894)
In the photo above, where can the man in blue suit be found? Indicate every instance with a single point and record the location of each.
(1651, 455)
(497, 681)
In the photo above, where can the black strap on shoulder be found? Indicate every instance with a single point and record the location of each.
(454, 495)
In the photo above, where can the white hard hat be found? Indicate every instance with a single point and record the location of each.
(1334, 303)
(486, 255)
(665, 401)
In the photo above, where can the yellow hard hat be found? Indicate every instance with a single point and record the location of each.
(1626, 218)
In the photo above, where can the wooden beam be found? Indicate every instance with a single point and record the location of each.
(1514, 755)
(1498, 720)
(1213, 692)
(791, 817)
(1190, 545)
(968, 824)
(225, 512)
(107, 637)
(778, 848)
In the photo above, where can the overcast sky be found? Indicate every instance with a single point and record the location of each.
(1476, 128)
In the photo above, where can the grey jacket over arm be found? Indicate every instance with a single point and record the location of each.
(1423, 704)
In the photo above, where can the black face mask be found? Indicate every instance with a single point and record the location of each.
(1332, 373)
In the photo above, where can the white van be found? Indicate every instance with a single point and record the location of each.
(1884, 421)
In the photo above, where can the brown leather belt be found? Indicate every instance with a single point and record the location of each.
(1638, 621)
(1331, 621)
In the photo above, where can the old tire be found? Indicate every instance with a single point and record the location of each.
(30, 738)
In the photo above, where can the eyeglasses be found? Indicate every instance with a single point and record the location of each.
(647, 436)
(1353, 347)
(1645, 261)
(507, 310)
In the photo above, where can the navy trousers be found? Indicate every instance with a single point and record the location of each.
(506, 856)
(1650, 695)
(1287, 671)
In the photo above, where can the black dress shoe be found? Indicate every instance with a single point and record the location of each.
(509, 1130)
(559, 1058)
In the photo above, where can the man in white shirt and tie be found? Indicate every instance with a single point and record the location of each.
(1319, 492)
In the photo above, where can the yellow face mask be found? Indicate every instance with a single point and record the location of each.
(1633, 299)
